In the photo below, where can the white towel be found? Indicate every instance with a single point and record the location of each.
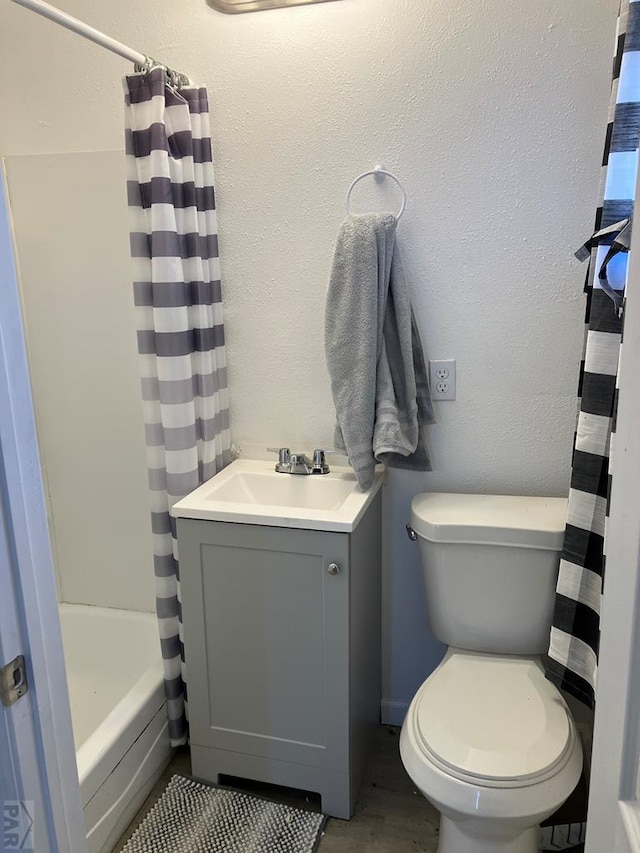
(374, 355)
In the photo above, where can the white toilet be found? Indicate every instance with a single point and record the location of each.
(487, 739)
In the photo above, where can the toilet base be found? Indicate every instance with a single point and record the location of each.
(454, 840)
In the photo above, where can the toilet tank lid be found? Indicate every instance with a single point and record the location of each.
(525, 522)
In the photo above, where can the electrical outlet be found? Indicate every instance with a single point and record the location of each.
(442, 378)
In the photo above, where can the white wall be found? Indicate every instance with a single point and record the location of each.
(72, 244)
(493, 116)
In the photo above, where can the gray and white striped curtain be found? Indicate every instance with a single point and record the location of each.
(177, 294)
(575, 635)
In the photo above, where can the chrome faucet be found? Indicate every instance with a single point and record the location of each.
(298, 463)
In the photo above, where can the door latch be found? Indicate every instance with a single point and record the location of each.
(13, 681)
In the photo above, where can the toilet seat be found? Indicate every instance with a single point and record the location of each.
(492, 720)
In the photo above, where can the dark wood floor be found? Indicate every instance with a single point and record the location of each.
(391, 816)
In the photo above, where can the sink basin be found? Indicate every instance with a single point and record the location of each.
(253, 487)
(250, 492)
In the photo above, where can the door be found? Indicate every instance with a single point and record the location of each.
(39, 794)
(22, 799)
(266, 633)
(614, 805)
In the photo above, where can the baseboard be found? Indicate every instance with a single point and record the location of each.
(392, 713)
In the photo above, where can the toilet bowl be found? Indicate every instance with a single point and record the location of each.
(492, 745)
(487, 739)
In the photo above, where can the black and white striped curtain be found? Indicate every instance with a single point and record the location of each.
(177, 294)
(575, 635)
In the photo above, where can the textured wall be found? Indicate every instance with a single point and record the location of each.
(492, 114)
(74, 271)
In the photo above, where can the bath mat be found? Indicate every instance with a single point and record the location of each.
(191, 817)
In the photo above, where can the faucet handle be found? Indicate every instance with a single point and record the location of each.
(320, 463)
(283, 454)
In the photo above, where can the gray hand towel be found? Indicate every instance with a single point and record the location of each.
(374, 355)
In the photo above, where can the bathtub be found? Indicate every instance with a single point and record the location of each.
(118, 709)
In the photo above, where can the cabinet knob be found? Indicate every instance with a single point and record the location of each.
(333, 569)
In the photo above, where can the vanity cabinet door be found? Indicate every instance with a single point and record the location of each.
(266, 632)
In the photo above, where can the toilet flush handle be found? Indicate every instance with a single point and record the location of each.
(411, 533)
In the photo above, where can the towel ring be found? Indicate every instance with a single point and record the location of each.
(378, 172)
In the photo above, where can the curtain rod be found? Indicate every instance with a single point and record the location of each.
(84, 30)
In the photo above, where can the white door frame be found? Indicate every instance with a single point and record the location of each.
(37, 729)
(614, 803)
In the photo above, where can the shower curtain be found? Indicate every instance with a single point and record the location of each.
(177, 295)
(573, 652)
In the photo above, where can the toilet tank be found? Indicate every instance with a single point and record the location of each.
(490, 565)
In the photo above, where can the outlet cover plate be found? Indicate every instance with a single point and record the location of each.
(442, 378)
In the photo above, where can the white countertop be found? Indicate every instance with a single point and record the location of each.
(249, 491)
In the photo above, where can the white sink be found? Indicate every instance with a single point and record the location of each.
(251, 492)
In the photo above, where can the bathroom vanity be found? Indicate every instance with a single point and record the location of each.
(282, 628)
